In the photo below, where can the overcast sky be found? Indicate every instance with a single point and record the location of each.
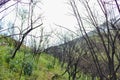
(57, 11)
(52, 11)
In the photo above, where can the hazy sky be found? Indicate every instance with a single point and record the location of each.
(53, 12)
(58, 12)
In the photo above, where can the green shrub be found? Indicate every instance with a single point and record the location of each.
(50, 66)
(27, 68)
(7, 59)
(15, 65)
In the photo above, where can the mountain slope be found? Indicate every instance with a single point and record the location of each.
(26, 67)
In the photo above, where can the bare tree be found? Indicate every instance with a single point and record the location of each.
(2, 2)
(70, 52)
(107, 34)
(28, 29)
(26, 19)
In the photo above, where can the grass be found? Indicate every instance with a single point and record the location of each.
(10, 69)
(26, 67)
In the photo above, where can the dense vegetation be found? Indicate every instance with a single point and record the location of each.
(25, 66)
(90, 52)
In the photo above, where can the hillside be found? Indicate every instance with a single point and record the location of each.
(79, 49)
(25, 66)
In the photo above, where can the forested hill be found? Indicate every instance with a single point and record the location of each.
(84, 54)
(26, 65)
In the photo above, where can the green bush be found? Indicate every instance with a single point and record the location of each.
(27, 68)
(7, 59)
(50, 66)
(13, 66)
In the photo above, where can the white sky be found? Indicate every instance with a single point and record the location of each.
(57, 12)
(53, 12)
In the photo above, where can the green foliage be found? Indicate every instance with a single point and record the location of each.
(46, 68)
(14, 66)
(7, 58)
(27, 68)
(50, 66)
